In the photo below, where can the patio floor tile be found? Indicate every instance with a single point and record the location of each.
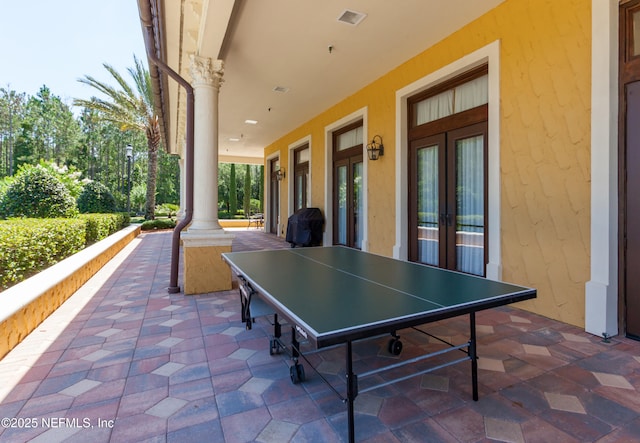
(162, 367)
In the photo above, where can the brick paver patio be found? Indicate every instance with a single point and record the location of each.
(124, 361)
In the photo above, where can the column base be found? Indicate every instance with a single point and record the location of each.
(601, 309)
(204, 269)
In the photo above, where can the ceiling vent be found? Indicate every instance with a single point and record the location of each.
(351, 17)
(280, 89)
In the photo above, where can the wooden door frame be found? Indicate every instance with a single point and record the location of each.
(300, 169)
(412, 228)
(629, 72)
(451, 124)
(346, 157)
(480, 128)
(272, 219)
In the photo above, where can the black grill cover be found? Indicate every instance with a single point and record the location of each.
(304, 227)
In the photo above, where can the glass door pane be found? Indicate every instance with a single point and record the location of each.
(470, 205)
(306, 194)
(358, 209)
(274, 198)
(299, 187)
(427, 207)
(635, 29)
(342, 191)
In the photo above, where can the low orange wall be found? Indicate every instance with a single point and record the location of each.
(24, 306)
(235, 223)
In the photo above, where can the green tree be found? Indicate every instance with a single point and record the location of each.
(168, 179)
(233, 195)
(96, 198)
(138, 196)
(246, 198)
(48, 131)
(68, 176)
(132, 109)
(87, 155)
(37, 193)
(12, 105)
(223, 186)
(261, 188)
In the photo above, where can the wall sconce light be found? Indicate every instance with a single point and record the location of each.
(280, 174)
(375, 149)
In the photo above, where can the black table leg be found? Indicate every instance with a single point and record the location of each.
(296, 370)
(352, 393)
(473, 355)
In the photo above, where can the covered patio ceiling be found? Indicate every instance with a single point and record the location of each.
(288, 60)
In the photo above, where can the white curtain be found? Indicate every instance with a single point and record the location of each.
(350, 139)
(471, 94)
(342, 205)
(428, 226)
(359, 203)
(470, 205)
(466, 96)
(298, 202)
(435, 107)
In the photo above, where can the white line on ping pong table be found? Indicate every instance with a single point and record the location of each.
(365, 279)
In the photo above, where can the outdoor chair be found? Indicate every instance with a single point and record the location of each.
(257, 220)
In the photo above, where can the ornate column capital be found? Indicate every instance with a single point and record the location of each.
(205, 71)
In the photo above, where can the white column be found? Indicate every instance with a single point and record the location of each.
(206, 77)
(204, 241)
(601, 298)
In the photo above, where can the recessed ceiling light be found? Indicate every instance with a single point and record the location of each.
(351, 17)
(251, 122)
(234, 139)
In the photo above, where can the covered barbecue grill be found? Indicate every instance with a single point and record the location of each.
(304, 227)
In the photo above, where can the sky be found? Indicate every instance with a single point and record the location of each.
(56, 42)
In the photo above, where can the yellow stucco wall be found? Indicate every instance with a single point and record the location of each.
(205, 270)
(544, 144)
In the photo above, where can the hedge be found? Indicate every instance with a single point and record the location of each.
(29, 245)
(101, 226)
(158, 223)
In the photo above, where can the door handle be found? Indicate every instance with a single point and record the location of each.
(446, 219)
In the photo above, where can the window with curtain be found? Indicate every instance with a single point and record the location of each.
(447, 174)
(347, 140)
(460, 98)
(348, 194)
(301, 185)
(470, 205)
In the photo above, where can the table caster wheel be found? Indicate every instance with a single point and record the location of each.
(395, 346)
(297, 373)
(273, 347)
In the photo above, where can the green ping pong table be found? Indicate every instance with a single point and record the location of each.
(336, 295)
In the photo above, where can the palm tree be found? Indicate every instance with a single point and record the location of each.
(132, 109)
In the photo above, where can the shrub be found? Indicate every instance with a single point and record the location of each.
(160, 223)
(138, 198)
(96, 198)
(4, 185)
(125, 219)
(29, 245)
(167, 210)
(36, 193)
(255, 206)
(68, 176)
(100, 226)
